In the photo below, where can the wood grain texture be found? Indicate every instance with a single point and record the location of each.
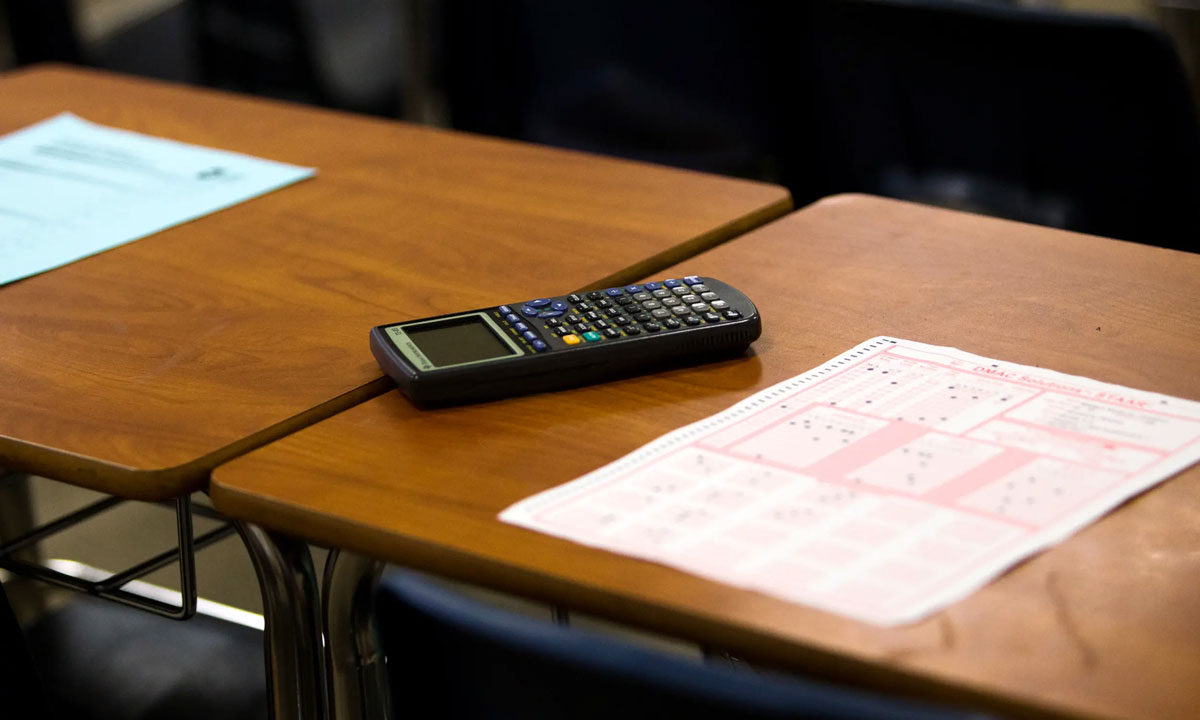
(1104, 625)
(134, 371)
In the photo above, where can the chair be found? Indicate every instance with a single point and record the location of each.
(1070, 120)
(336, 53)
(671, 81)
(469, 661)
(101, 660)
(41, 31)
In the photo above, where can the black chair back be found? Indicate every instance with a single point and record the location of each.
(672, 81)
(1077, 121)
(469, 660)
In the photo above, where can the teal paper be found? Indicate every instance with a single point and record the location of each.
(70, 188)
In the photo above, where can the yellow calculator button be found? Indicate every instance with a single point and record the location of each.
(571, 339)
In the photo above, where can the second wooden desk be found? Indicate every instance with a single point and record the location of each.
(1103, 625)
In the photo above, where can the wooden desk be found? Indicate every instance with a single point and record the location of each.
(1103, 625)
(133, 372)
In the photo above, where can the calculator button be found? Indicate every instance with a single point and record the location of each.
(631, 289)
(719, 305)
(642, 316)
(571, 339)
(611, 333)
(592, 336)
(700, 288)
(712, 317)
(692, 279)
(614, 292)
(643, 296)
(550, 313)
(651, 305)
(661, 313)
(681, 290)
(591, 315)
(632, 330)
(681, 311)
(671, 302)
(601, 324)
(558, 305)
(653, 285)
(580, 327)
(699, 307)
(689, 298)
(604, 303)
(692, 320)
(672, 283)
(624, 300)
(562, 330)
(732, 314)
(539, 346)
(662, 293)
(521, 327)
(595, 295)
(512, 318)
(539, 303)
(652, 327)
(504, 309)
(612, 312)
(530, 335)
(529, 311)
(709, 296)
(553, 322)
(573, 318)
(622, 320)
(574, 298)
(671, 323)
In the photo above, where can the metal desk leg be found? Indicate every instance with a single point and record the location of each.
(357, 677)
(295, 657)
(16, 509)
(16, 518)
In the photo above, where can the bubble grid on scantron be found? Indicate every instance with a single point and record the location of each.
(884, 484)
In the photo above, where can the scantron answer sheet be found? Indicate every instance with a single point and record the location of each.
(883, 485)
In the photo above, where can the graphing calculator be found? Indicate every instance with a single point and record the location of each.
(555, 342)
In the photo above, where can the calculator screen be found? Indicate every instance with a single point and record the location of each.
(458, 340)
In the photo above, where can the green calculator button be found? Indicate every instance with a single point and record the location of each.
(592, 336)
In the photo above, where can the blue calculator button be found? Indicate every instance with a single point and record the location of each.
(672, 283)
(504, 309)
(529, 311)
(692, 280)
(613, 292)
(592, 336)
(558, 305)
(653, 285)
(631, 289)
(512, 317)
(529, 335)
(540, 302)
(521, 327)
(539, 345)
(550, 313)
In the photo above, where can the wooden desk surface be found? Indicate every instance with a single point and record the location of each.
(1106, 624)
(136, 370)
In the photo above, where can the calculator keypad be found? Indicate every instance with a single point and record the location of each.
(617, 312)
